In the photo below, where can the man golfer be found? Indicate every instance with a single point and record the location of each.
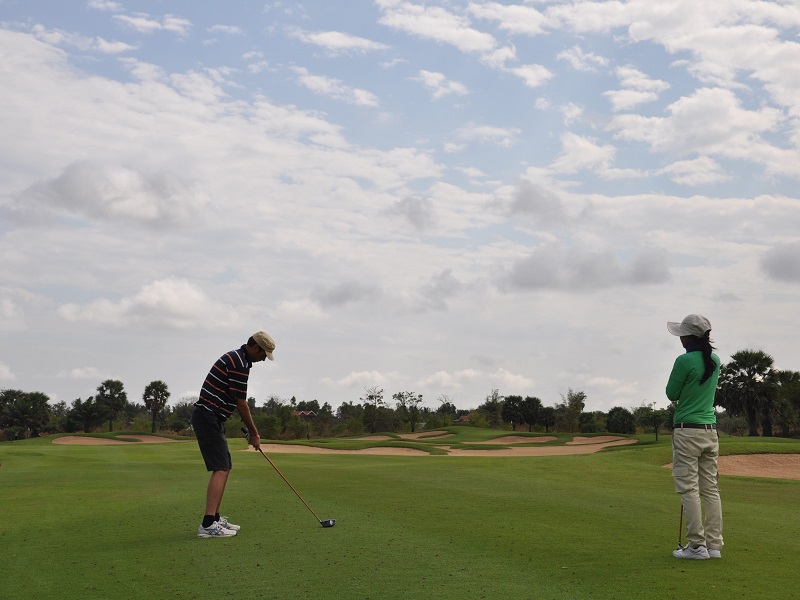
(695, 445)
(225, 390)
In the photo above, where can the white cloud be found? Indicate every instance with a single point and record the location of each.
(226, 29)
(515, 19)
(700, 171)
(500, 136)
(107, 191)
(104, 5)
(708, 122)
(89, 373)
(532, 75)
(582, 61)
(58, 37)
(335, 89)
(337, 42)
(638, 89)
(168, 303)
(450, 381)
(361, 379)
(144, 23)
(6, 374)
(580, 153)
(440, 85)
(435, 23)
(511, 383)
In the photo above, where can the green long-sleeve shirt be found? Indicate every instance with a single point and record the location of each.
(695, 401)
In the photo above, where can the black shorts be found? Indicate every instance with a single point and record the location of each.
(210, 433)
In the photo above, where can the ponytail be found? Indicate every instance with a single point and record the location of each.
(706, 348)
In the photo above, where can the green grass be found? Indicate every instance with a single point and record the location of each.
(120, 522)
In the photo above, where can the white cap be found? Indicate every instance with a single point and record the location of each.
(696, 325)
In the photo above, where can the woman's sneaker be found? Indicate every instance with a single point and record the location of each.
(228, 525)
(698, 553)
(214, 530)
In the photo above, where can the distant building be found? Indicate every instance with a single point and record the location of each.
(306, 415)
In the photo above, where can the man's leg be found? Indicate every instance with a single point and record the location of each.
(216, 489)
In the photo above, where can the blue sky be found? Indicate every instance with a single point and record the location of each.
(439, 197)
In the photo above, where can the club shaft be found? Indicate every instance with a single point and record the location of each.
(680, 526)
(278, 471)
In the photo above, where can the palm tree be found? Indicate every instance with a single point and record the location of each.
(155, 399)
(788, 403)
(748, 386)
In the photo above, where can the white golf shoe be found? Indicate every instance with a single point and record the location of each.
(215, 530)
(698, 553)
(228, 525)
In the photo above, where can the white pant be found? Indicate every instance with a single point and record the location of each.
(694, 469)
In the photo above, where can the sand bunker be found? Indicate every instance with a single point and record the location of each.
(298, 449)
(79, 440)
(600, 439)
(519, 439)
(426, 435)
(782, 466)
(543, 451)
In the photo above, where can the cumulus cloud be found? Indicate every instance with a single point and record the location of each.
(101, 191)
(579, 153)
(360, 379)
(417, 211)
(58, 37)
(710, 121)
(92, 373)
(582, 61)
(334, 88)
(435, 23)
(559, 267)
(144, 23)
(167, 303)
(447, 380)
(6, 374)
(782, 262)
(104, 5)
(336, 42)
(534, 201)
(489, 134)
(439, 288)
(226, 29)
(439, 85)
(700, 171)
(511, 383)
(347, 292)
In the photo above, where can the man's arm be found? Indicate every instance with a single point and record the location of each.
(247, 419)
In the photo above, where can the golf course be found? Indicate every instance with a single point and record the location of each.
(462, 513)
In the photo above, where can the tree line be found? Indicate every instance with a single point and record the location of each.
(754, 398)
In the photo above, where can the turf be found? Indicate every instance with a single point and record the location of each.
(120, 522)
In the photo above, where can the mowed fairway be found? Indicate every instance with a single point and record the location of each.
(120, 522)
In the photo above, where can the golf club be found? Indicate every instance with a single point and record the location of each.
(680, 530)
(326, 523)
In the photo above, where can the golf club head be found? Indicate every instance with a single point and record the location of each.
(328, 523)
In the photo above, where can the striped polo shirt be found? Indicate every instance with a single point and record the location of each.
(226, 384)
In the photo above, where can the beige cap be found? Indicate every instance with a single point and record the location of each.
(263, 339)
(695, 325)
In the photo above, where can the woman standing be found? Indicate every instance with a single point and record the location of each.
(695, 445)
